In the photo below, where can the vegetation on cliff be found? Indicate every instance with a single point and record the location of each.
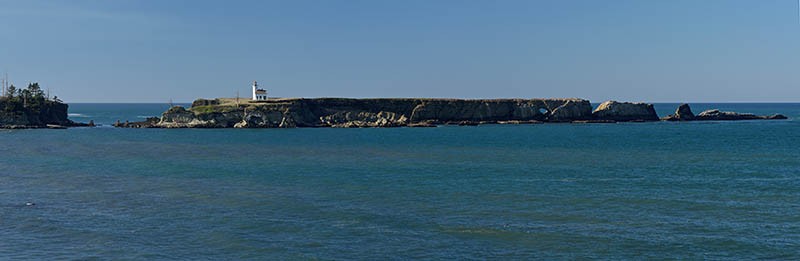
(31, 108)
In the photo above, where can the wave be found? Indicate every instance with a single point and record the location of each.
(76, 115)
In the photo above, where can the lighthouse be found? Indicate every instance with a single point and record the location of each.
(259, 94)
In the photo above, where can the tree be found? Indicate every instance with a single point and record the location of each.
(35, 91)
(12, 90)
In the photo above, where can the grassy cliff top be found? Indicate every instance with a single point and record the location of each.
(231, 104)
(248, 101)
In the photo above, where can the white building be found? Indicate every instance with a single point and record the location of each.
(259, 94)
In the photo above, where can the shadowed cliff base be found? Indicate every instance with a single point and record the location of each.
(35, 113)
(399, 112)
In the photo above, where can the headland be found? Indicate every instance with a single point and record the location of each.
(32, 108)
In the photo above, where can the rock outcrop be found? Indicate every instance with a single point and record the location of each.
(684, 113)
(625, 111)
(717, 115)
(15, 114)
(358, 113)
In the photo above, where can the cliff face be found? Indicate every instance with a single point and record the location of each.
(340, 112)
(16, 115)
(625, 111)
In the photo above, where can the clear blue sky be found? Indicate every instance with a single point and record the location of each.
(639, 50)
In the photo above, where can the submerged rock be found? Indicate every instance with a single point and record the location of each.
(625, 111)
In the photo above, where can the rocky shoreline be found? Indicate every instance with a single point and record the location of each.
(410, 112)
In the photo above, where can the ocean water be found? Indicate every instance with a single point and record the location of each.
(663, 190)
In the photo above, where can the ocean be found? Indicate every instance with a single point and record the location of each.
(661, 190)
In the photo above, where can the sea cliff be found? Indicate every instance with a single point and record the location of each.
(343, 112)
(18, 114)
(395, 112)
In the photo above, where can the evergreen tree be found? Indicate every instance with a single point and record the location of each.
(12, 90)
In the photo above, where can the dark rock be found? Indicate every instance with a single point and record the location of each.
(178, 117)
(150, 122)
(572, 110)
(520, 122)
(595, 121)
(421, 124)
(717, 115)
(16, 114)
(777, 117)
(625, 111)
(683, 113)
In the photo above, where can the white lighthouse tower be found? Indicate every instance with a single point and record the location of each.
(259, 94)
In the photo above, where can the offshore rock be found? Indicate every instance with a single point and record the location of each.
(625, 111)
(150, 122)
(717, 115)
(777, 116)
(683, 113)
(369, 113)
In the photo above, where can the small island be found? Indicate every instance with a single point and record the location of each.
(409, 112)
(263, 112)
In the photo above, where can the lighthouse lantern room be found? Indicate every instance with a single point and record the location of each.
(259, 94)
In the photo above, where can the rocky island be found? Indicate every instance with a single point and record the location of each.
(403, 112)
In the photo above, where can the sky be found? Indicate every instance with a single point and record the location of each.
(625, 50)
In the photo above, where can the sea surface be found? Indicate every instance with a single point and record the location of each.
(662, 190)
